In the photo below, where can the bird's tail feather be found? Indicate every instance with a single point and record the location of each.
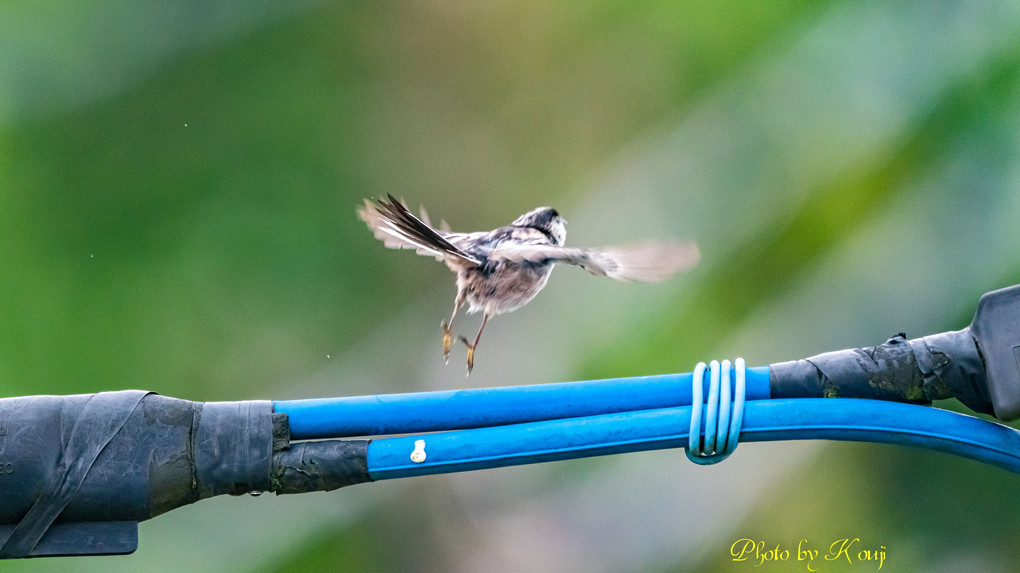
(393, 224)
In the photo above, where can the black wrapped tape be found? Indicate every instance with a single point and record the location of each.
(233, 447)
(918, 371)
(121, 457)
(320, 466)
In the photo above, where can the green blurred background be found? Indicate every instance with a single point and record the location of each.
(178, 183)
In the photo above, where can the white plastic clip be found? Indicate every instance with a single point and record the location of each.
(418, 455)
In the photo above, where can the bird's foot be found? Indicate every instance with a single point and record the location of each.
(447, 342)
(470, 354)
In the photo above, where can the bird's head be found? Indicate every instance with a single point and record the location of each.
(547, 220)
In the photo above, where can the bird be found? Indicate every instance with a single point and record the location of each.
(501, 270)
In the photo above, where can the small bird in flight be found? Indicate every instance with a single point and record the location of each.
(501, 270)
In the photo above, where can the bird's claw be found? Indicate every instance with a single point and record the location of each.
(447, 342)
(470, 354)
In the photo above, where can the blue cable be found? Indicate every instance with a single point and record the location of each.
(385, 414)
(713, 438)
(737, 420)
(526, 424)
(763, 420)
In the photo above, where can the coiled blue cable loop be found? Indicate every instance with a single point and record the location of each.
(714, 436)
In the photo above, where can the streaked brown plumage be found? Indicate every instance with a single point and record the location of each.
(501, 270)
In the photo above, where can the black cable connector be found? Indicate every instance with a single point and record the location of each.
(979, 365)
(77, 473)
(996, 328)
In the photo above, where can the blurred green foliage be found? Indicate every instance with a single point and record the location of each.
(177, 191)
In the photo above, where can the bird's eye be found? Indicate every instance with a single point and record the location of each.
(553, 213)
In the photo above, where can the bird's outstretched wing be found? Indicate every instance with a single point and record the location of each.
(651, 261)
(393, 224)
